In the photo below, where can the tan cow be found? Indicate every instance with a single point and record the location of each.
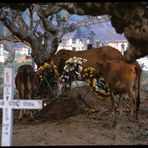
(122, 77)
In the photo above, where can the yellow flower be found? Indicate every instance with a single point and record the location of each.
(91, 75)
(85, 70)
(46, 65)
(83, 75)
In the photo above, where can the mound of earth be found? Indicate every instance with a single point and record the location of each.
(68, 104)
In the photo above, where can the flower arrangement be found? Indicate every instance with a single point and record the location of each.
(72, 65)
(42, 69)
(96, 84)
(51, 73)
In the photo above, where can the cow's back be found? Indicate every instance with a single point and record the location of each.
(92, 55)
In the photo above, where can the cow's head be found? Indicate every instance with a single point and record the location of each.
(130, 55)
(101, 66)
(134, 53)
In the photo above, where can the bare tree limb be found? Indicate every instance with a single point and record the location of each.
(91, 21)
(20, 21)
(8, 38)
(47, 25)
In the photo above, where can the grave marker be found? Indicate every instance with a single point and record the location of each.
(8, 104)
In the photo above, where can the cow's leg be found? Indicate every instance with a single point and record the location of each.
(29, 112)
(31, 94)
(137, 96)
(21, 94)
(121, 105)
(112, 104)
(31, 115)
(133, 103)
(20, 115)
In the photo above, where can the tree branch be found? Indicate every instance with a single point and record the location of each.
(20, 21)
(47, 25)
(8, 38)
(91, 21)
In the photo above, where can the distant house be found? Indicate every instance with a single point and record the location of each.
(121, 45)
(80, 39)
(71, 44)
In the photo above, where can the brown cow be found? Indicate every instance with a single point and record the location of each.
(122, 77)
(26, 82)
(92, 55)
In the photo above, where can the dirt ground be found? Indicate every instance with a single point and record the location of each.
(67, 121)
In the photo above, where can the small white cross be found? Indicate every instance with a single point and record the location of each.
(8, 104)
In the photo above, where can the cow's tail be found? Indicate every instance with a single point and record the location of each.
(25, 74)
(138, 73)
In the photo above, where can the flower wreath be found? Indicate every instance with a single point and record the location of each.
(72, 65)
(97, 85)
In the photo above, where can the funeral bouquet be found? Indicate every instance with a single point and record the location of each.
(72, 66)
(42, 69)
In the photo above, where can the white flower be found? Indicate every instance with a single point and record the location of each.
(61, 76)
(45, 104)
(68, 85)
(63, 80)
(69, 61)
(66, 77)
(80, 62)
(80, 68)
(71, 69)
(65, 67)
(67, 70)
(75, 60)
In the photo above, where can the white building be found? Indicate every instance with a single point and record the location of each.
(24, 50)
(121, 45)
(2, 59)
(77, 45)
(81, 44)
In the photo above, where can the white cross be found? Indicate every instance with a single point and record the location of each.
(8, 103)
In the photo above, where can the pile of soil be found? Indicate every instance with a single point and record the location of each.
(68, 104)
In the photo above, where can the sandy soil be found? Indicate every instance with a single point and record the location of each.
(67, 121)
